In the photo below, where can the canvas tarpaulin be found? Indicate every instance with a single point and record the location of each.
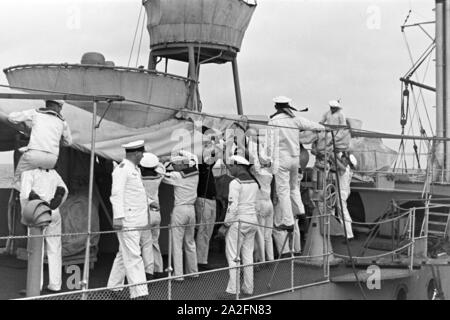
(73, 164)
(161, 139)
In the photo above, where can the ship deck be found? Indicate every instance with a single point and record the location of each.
(211, 285)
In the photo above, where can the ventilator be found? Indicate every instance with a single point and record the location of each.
(36, 213)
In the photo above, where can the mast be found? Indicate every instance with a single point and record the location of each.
(443, 84)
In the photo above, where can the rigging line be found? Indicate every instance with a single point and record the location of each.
(260, 123)
(140, 41)
(416, 99)
(423, 99)
(134, 38)
(420, 60)
(412, 62)
(355, 273)
(407, 17)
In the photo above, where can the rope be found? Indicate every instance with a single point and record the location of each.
(375, 256)
(342, 216)
(140, 40)
(327, 129)
(135, 34)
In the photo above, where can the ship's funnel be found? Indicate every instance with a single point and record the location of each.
(218, 26)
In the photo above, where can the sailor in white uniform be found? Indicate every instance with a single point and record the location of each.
(262, 167)
(348, 164)
(47, 185)
(241, 207)
(130, 211)
(185, 182)
(286, 159)
(152, 174)
(334, 116)
(48, 129)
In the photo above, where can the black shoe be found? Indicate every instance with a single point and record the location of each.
(149, 276)
(285, 227)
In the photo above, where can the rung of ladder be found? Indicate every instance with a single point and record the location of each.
(440, 214)
(438, 223)
(436, 232)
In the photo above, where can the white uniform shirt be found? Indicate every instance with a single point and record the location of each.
(286, 140)
(241, 200)
(345, 179)
(128, 196)
(151, 185)
(264, 175)
(185, 186)
(337, 118)
(43, 183)
(46, 130)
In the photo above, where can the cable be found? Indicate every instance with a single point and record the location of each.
(357, 132)
(140, 41)
(342, 217)
(135, 34)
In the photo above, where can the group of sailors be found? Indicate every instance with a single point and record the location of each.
(263, 198)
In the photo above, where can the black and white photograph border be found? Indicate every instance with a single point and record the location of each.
(224, 150)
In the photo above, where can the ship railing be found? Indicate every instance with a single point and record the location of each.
(402, 235)
(412, 238)
(270, 277)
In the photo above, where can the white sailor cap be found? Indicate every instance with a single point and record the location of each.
(149, 160)
(134, 146)
(334, 104)
(282, 99)
(236, 159)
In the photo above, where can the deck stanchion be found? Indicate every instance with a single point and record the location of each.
(325, 219)
(413, 226)
(169, 264)
(238, 260)
(85, 282)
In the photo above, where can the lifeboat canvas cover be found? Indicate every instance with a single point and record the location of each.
(160, 138)
(151, 87)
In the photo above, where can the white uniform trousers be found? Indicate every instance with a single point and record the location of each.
(280, 235)
(205, 210)
(183, 236)
(264, 243)
(347, 217)
(245, 249)
(288, 190)
(128, 263)
(52, 246)
(151, 253)
(33, 159)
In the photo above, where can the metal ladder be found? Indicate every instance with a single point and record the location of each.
(438, 223)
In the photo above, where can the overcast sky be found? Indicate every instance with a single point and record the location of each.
(312, 51)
